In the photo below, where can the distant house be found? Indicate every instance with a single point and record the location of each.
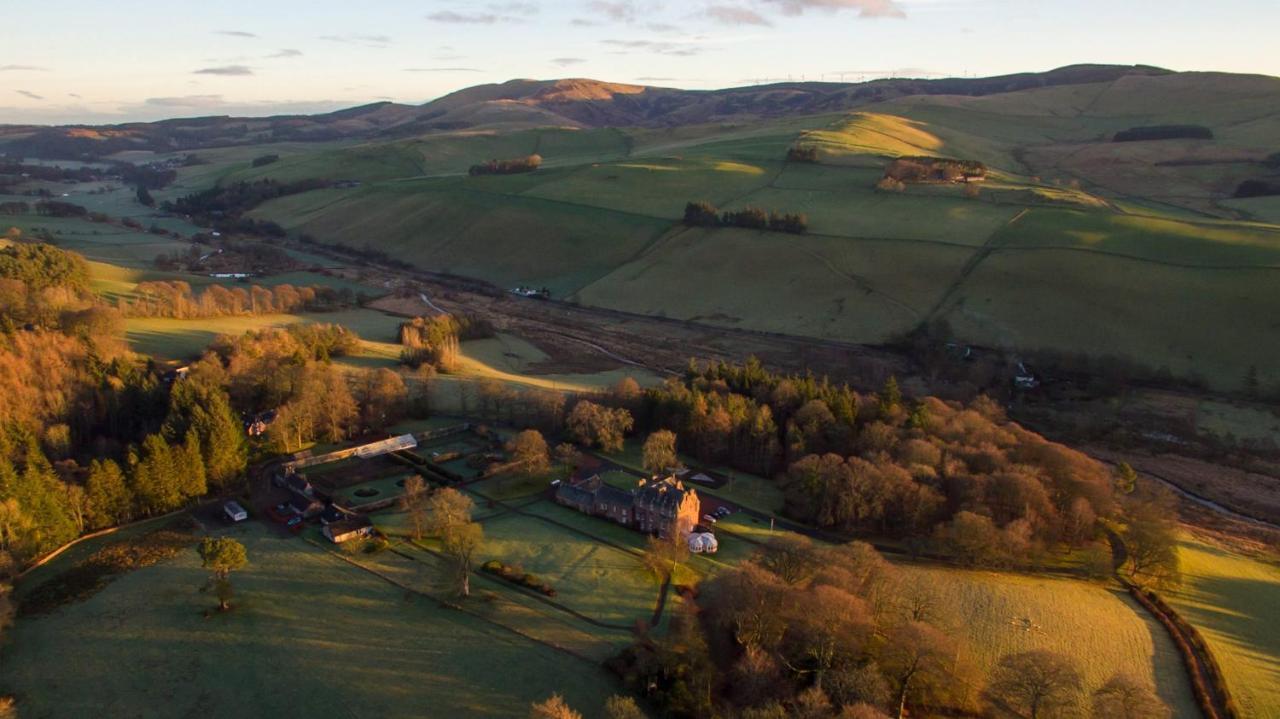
(258, 424)
(657, 506)
(354, 527)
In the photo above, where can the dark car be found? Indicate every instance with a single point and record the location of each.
(294, 524)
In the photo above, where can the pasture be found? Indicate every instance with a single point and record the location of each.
(1232, 599)
(1043, 258)
(1100, 627)
(311, 634)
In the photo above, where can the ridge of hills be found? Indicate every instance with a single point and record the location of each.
(571, 102)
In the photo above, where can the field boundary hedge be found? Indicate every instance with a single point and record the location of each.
(1207, 681)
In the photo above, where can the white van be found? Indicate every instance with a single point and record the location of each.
(235, 512)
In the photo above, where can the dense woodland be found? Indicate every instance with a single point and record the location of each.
(436, 341)
(223, 207)
(93, 435)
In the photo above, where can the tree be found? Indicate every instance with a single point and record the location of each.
(660, 452)
(222, 556)
(591, 424)
(414, 504)
(382, 397)
(662, 555)
(1124, 697)
(529, 452)
(1126, 478)
(1039, 684)
(459, 544)
(916, 658)
(1151, 540)
(622, 707)
(109, 500)
(447, 508)
(890, 396)
(791, 557)
(554, 707)
(449, 516)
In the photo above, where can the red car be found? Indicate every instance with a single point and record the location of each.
(281, 513)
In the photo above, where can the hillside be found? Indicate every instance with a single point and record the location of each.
(1074, 244)
(527, 103)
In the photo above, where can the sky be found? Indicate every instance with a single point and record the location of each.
(93, 61)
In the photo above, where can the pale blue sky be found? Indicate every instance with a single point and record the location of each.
(99, 61)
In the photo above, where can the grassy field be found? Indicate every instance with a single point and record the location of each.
(1232, 599)
(598, 223)
(311, 635)
(1101, 628)
(183, 339)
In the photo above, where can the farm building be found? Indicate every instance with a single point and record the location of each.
(658, 506)
(305, 505)
(354, 527)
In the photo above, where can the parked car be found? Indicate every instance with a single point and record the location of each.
(709, 519)
(281, 513)
(234, 512)
(294, 524)
(722, 512)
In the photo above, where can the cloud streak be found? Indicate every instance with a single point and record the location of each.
(29, 94)
(567, 61)
(442, 69)
(287, 52)
(225, 71)
(377, 41)
(734, 15)
(23, 68)
(864, 8)
(235, 33)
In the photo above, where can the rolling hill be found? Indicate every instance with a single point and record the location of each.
(1075, 243)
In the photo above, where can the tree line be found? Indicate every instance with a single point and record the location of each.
(176, 298)
(933, 169)
(705, 214)
(514, 166)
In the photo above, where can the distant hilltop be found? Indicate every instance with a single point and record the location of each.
(575, 102)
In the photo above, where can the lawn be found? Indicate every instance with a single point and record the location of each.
(1233, 599)
(311, 636)
(1101, 628)
(602, 582)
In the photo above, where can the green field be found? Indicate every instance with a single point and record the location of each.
(1101, 628)
(1232, 599)
(1075, 244)
(311, 635)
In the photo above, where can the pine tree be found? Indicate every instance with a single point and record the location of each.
(109, 499)
(207, 410)
(189, 466)
(155, 477)
(40, 494)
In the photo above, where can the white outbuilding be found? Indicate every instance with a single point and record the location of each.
(703, 543)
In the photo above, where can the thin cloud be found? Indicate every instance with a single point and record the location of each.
(582, 22)
(235, 33)
(287, 52)
(72, 94)
(864, 8)
(28, 93)
(733, 15)
(357, 39)
(567, 61)
(661, 27)
(654, 46)
(225, 70)
(23, 68)
(442, 69)
(450, 16)
(624, 11)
